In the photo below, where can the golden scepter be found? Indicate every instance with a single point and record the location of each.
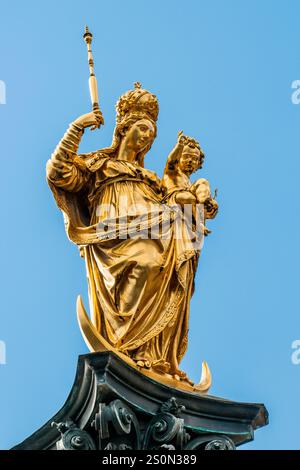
(93, 85)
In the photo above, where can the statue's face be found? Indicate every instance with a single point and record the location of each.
(189, 160)
(140, 135)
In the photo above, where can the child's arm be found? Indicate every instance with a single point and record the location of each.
(174, 155)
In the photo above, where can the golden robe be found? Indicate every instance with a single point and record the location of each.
(139, 288)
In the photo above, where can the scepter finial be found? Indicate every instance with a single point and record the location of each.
(87, 35)
(92, 80)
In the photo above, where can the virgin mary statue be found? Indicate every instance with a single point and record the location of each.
(140, 272)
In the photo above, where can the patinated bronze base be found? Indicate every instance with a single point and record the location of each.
(113, 406)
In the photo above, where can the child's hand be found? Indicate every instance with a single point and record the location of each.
(181, 138)
(211, 208)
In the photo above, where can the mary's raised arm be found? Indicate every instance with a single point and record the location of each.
(63, 169)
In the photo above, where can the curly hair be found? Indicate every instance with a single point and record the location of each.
(192, 143)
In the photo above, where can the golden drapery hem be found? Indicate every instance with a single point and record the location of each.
(139, 289)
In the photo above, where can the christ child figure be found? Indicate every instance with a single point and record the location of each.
(186, 158)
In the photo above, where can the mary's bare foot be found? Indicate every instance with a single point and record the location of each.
(161, 366)
(182, 376)
(146, 364)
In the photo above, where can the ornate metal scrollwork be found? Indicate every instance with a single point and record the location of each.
(223, 443)
(72, 437)
(166, 428)
(211, 442)
(118, 446)
(171, 406)
(118, 429)
(117, 426)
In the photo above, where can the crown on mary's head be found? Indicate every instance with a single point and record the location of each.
(137, 101)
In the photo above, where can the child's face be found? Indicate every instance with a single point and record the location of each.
(189, 160)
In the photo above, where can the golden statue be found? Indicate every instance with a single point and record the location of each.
(140, 245)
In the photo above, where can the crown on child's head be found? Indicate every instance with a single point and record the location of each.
(189, 141)
(137, 101)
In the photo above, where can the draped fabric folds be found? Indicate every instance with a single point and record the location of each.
(139, 287)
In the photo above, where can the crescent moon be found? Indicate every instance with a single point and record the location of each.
(96, 343)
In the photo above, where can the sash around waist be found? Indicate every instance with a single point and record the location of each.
(118, 179)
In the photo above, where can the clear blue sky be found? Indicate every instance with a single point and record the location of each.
(222, 72)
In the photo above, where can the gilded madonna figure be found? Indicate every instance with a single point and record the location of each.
(140, 266)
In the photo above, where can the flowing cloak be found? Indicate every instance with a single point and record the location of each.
(139, 288)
